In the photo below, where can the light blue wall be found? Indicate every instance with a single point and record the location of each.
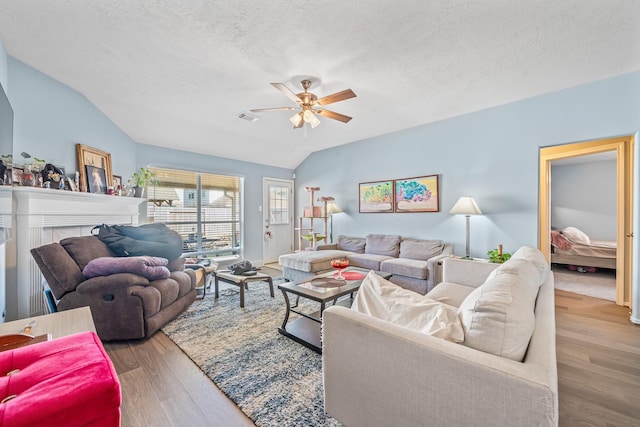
(3, 66)
(584, 196)
(251, 172)
(50, 118)
(491, 155)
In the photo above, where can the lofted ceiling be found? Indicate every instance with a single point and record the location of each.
(178, 73)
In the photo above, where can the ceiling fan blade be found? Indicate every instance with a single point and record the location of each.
(333, 115)
(338, 96)
(287, 92)
(262, 110)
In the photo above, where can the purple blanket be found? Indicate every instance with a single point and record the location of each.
(152, 268)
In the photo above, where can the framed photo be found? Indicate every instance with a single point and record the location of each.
(70, 184)
(16, 174)
(97, 180)
(376, 197)
(89, 156)
(418, 194)
(117, 181)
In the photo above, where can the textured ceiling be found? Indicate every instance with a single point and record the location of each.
(178, 73)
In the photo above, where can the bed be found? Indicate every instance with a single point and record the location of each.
(575, 248)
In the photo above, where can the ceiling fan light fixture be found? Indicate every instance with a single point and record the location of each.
(296, 119)
(308, 116)
(314, 121)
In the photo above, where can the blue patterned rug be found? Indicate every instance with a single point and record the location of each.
(273, 380)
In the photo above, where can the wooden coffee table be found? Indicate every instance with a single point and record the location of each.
(240, 281)
(306, 329)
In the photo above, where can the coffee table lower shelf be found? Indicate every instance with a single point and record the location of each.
(307, 329)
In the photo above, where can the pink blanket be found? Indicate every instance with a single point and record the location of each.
(559, 241)
(152, 268)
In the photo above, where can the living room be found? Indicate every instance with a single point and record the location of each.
(490, 153)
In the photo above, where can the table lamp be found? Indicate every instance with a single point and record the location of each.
(466, 206)
(332, 208)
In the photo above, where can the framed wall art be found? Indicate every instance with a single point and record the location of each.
(376, 196)
(419, 194)
(89, 156)
(97, 180)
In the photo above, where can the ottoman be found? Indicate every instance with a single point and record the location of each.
(68, 381)
(304, 264)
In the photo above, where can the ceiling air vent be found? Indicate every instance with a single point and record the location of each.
(248, 116)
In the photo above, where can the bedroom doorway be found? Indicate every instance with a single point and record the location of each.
(623, 149)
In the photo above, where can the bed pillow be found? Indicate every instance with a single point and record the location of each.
(384, 300)
(153, 268)
(576, 235)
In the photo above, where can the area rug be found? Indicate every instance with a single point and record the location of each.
(600, 285)
(273, 380)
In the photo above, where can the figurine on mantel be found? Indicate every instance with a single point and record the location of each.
(52, 177)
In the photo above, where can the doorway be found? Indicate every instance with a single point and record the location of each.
(277, 212)
(623, 148)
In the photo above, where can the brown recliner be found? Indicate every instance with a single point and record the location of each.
(123, 305)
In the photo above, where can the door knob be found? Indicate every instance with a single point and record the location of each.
(629, 234)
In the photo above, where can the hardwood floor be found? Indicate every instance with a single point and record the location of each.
(598, 362)
(598, 374)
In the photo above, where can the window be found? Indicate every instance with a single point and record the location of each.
(279, 204)
(205, 209)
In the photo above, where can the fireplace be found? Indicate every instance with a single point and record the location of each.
(44, 216)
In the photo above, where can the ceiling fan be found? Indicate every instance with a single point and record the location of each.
(309, 105)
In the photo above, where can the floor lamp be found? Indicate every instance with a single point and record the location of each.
(466, 206)
(332, 208)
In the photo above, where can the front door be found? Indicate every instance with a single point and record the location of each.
(278, 218)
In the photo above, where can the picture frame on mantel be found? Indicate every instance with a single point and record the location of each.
(89, 156)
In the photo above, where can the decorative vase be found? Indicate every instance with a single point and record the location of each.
(137, 191)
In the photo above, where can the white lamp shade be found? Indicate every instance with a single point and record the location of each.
(465, 206)
(332, 208)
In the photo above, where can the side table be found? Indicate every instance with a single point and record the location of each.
(241, 282)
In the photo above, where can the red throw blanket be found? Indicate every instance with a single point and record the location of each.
(559, 241)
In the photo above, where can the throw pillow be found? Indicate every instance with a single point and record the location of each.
(153, 268)
(382, 244)
(352, 244)
(576, 235)
(420, 250)
(384, 300)
(498, 316)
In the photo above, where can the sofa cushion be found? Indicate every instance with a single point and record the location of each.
(450, 293)
(526, 271)
(536, 258)
(351, 244)
(382, 244)
(370, 261)
(382, 299)
(84, 249)
(420, 249)
(498, 316)
(311, 261)
(405, 267)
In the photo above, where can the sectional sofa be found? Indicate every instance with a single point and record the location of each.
(413, 263)
(382, 371)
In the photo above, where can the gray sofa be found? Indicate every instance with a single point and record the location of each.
(504, 373)
(412, 263)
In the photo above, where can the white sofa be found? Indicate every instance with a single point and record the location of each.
(412, 263)
(378, 373)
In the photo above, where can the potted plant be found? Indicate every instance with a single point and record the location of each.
(497, 256)
(140, 179)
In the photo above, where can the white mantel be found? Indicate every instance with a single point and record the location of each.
(44, 216)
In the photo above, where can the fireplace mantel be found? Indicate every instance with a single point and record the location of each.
(44, 216)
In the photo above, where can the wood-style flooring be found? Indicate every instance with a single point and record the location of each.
(598, 374)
